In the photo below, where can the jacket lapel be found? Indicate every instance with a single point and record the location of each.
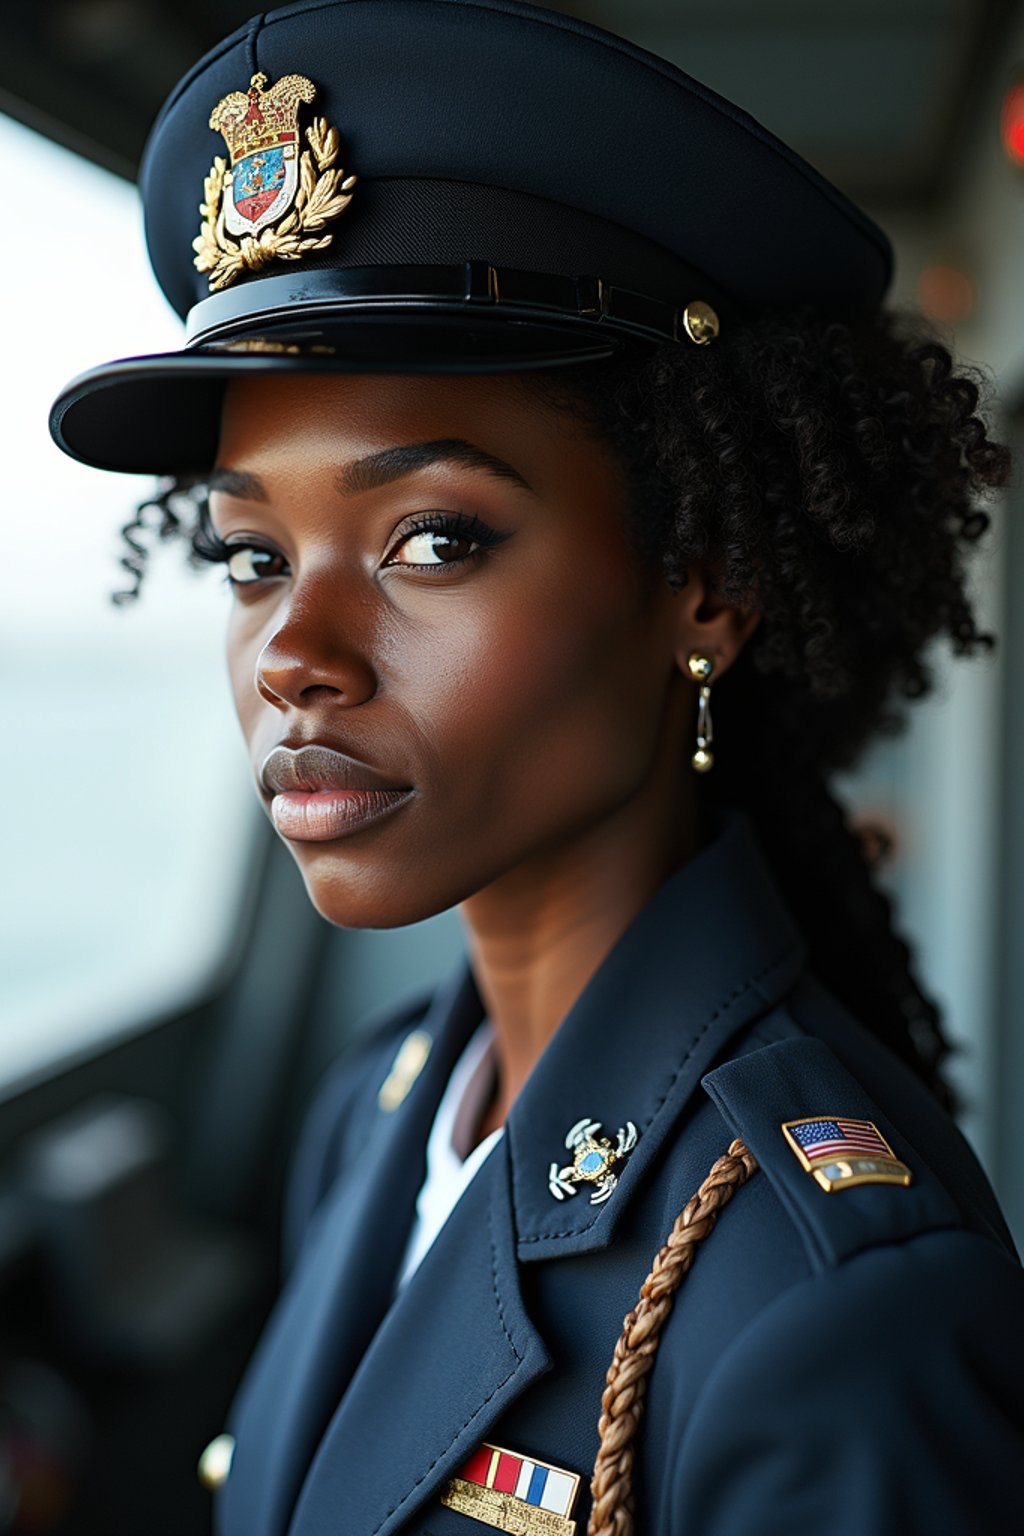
(340, 1289)
(458, 1347)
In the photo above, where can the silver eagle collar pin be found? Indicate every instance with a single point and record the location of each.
(594, 1158)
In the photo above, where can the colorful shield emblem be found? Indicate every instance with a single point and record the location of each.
(260, 187)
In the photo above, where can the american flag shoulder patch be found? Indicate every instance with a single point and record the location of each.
(515, 1493)
(840, 1152)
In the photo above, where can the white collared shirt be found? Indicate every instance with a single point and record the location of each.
(449, 1169)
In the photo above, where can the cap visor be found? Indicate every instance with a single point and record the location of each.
(160, 414)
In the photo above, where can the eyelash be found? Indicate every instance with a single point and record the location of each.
(209, 546)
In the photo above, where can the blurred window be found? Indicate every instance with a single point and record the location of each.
(128, 805)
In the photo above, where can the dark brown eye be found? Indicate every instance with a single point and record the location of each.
(432, 546)
(247, 564)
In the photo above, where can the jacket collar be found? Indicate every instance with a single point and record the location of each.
(714, 947)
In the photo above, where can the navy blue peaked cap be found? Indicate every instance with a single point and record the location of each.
(450, 185)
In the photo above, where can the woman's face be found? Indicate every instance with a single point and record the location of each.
(512, 673)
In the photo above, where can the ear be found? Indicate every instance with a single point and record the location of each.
(706, 622)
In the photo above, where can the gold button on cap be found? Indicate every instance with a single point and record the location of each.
(215, 1462)
(700, 322)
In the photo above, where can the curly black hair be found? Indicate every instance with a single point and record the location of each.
(827, 471)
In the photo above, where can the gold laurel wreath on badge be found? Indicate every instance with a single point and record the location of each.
(263, 123)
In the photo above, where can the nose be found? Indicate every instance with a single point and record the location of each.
(310, 650)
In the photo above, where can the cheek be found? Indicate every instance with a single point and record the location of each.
(548, 699)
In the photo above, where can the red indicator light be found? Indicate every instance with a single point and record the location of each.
(1012, 123)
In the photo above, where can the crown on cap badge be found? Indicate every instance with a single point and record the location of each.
(274, 198)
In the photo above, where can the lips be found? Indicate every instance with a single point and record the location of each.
(316, 766)
(320, 794)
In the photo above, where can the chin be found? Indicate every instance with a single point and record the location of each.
(380, 897)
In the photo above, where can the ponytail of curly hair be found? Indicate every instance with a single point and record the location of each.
(826, 471)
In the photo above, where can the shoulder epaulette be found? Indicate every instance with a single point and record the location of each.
(844, 1173)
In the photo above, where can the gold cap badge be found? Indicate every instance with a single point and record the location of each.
(275, 199)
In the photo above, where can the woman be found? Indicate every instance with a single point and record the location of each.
(571, 414)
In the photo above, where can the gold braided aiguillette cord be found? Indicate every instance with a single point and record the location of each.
(623, 1399)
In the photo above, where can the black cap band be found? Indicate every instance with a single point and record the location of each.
(308, 309)
(408, 249)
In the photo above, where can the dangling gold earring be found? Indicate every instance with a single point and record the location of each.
(701, 668)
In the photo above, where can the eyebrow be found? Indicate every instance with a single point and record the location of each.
(384, 467)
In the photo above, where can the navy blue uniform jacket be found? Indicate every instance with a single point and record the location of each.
(848, 1362)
